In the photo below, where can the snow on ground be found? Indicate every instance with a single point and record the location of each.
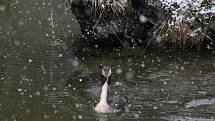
(188, 9)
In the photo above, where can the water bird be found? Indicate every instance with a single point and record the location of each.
(103, 106)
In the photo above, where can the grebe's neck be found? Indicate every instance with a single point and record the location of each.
(103, 98)
(103, 106)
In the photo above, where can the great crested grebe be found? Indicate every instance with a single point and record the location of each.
(103, 106)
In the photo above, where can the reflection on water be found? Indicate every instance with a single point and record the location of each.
(200, 102)
(45, 76)
(189, 119)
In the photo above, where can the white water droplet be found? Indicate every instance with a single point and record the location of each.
(60, 55)
(96, 46)
(22, 93)
(80, 80)
(29, 60)
(38, 93)
(46, 88)
(142, 65)
(143, 19)
(30, 96)
(136, 115)
(2, 8)
(155, 107)
(80, 116)
(182, 68)
(19, 90)
(118, 84)
(75, 63)
(119, 71)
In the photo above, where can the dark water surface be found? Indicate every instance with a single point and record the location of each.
(44, 75)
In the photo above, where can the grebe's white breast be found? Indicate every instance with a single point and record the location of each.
(103, 106)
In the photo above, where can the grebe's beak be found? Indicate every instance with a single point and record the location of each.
(106, 71)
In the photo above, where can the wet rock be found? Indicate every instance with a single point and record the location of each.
(127, 27)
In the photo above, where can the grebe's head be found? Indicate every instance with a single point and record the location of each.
(106, 71)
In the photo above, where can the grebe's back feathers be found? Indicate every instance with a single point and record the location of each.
(117, 101)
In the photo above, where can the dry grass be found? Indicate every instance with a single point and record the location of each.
(185, 31)
(114, 5)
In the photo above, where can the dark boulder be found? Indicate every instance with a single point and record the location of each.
(129, 27)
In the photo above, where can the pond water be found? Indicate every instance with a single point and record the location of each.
(48, 73)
